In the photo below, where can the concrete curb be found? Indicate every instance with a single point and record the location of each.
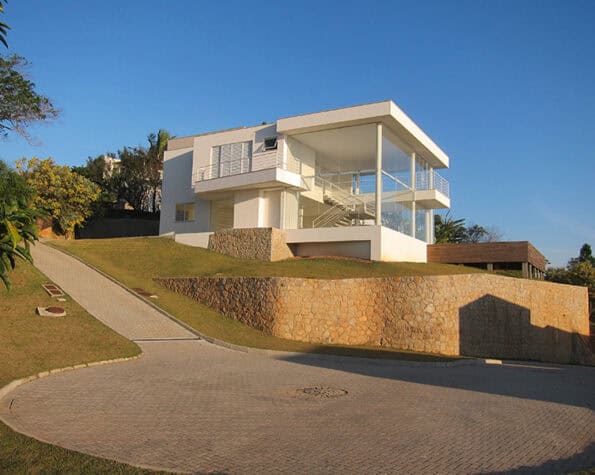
(19, 382)
(269, 353)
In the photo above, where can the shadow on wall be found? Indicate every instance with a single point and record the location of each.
(491, 327)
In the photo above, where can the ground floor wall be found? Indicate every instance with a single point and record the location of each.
(365, 242)
(472, 315)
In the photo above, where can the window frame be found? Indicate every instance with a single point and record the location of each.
(189, 208)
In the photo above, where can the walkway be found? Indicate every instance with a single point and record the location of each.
(195, 407)
(104, 299)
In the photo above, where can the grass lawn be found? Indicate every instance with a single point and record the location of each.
(30, 344)
(136, 261)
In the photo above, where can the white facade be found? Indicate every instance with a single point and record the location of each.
(357, 181)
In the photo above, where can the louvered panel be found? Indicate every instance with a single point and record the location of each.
(221, 215)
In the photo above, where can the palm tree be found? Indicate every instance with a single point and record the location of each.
(448, 229)
(3, 26)
(17, 221)
(157, 146)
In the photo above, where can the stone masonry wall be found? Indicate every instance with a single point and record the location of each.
(266, 244)
(470, 314)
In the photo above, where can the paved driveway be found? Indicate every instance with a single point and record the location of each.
(195, 407)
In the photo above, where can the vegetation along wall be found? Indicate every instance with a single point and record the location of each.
(470, 314)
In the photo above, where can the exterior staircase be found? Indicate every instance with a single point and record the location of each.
(345, 209)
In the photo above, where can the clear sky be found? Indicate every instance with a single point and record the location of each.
(506, 88)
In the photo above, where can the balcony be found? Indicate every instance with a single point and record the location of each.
(432, 190)
(261, 170)
(432, 181)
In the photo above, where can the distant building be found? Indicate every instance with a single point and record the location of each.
(512, 256)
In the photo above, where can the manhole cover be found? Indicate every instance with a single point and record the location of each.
(321, 392)
(54, 309)
(51, 311)
(53, 290)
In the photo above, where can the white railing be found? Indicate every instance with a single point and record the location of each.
(432, 181)
(259, 161)
(346, 203)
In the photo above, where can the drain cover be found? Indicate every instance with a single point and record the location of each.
(321, 392)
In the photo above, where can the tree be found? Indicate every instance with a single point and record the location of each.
(99, 171)
(3, 26)
(20, 105)
(157, 146)
(64, 195)
(579, 271)
(477, 233)
(585, 255)
(17, 221)
(139, 178)
(448, 229)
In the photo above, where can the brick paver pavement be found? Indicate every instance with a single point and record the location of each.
(194, 407)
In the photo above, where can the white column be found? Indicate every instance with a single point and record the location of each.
(413, 184)
(379, 174)
(282, 211)
(431, 178)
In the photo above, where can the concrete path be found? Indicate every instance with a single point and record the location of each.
(104, 299)
(194, 407)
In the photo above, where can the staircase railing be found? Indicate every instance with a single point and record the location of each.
(344, 204)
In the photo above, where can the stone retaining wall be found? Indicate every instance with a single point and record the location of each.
(265, 244)
(470, 314)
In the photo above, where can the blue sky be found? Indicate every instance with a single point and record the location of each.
(506, 88)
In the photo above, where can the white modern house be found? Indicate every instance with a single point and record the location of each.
(358, 181)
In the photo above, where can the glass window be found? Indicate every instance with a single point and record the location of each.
(184, 212)
(396, 188)
(231, 159)
(421, 223)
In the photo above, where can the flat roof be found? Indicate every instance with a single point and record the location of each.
(385, 112)
(487, 252)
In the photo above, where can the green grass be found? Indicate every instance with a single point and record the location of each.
(136, 261)
(164, 257)
(30, 344)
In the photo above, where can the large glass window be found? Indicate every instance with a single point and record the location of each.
(231, 159)
(184, 212)
(421, 223)
(396, 187)
(422, 173)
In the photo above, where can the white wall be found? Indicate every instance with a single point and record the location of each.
(384, 243)
(289, 209)
(396, 246)
(248, 209)
(300, 151)
(177, 188)
(194, 239)
(204, 143)
(272, 209)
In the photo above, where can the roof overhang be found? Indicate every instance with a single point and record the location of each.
(386, 113)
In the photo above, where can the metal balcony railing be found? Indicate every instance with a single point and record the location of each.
(432, 181)
(259, 161)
